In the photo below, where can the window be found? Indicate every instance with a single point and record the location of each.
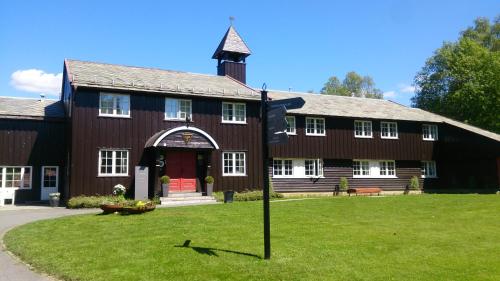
(114, 105)
(283, 167)
(290, 125)
(234, 164)
(374, 169)
(429, 132)
(315, 126)
(389, 130)
(50, 176)
(176, 109)
(313, 167)
(234, 113)
(429, 169)
(15, 177)
(387, 168)
(297, 168)
(361, 168)
(363, 129)
(113, 162)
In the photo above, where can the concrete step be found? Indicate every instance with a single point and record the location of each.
(184, 194)
(198, 198)
(186, 203)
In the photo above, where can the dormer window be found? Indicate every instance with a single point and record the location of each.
(114, 105)
(429, 132)
(234, 113)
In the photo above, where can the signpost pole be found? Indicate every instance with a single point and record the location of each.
(265, 171)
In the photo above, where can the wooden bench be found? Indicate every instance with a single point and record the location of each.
(364, 190)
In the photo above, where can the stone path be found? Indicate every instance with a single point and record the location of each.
(12, 269)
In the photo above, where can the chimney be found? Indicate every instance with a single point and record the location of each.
(42, 97)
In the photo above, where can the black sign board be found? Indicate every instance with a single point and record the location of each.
(277, 138)
(276, 121)
(292, 103)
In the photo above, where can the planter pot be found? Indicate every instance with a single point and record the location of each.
(210, 189)
(228, 196)
(164, 189)
(54, 201)
(110, 208)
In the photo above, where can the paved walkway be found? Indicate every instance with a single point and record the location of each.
(10, 268)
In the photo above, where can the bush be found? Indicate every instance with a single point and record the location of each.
(414, 183)
(248, 195)
(165, 179)
(344, 184)
(209, 179)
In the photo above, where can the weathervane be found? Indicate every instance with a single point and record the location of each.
(231, 19)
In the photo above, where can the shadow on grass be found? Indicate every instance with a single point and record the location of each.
(213, 251)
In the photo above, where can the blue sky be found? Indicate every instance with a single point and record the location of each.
(295, 44)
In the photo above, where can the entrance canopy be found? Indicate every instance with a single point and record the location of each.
(182, 137)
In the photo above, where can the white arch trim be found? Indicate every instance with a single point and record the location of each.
(185, 128)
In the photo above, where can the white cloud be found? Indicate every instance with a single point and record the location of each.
(403, 88)
(389, 94)
(36, 81)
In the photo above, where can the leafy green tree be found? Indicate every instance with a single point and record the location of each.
(352, 85)
(462, 79)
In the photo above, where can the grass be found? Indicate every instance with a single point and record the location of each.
(429, 237)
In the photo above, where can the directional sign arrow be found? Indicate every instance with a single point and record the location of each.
(276, 121)
(278, 138)
(292, 103)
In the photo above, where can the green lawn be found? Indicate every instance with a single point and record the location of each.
(429, 237)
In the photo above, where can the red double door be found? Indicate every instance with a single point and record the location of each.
(181, 168)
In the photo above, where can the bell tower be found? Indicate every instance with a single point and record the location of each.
(231, 54)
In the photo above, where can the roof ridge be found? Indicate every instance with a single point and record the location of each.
(27, 98)
(143, 67)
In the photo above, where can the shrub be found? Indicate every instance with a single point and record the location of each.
(209, 179)
(248, 195)
(165, 179)
(91, 201)
(344, 184)
(414, 183)
(119, 190)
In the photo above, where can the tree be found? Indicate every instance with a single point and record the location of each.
(352, 85)
(461, 80)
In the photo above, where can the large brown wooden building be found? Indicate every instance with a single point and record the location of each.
(112, 118)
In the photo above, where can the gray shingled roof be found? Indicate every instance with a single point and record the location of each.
(330, 105)
(120, 77)
(231, 42)
(13, 107)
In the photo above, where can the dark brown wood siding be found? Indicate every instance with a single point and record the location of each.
(91, 132)
(236, 70)
(34, 143)
(335, 169)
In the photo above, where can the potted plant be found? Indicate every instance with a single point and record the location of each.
(165, 180)
(414, 186)
(54, 199)
(116, 204)
(210, 185)
(343, 186)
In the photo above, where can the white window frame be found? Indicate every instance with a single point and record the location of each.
(291, 130)
(233, 159)
(3, 174)
(388, 127)
(298, 168)
(233, 119)
(114, 114)
(425, 169)
(373, 168)
(315, 122)
(113, 163)
(364, 133)
(431, 129)
(179, 112)
(283, 166)
(43, 176)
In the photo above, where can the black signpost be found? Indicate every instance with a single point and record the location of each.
(273, 132)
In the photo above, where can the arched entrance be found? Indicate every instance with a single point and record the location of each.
(183, 154)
